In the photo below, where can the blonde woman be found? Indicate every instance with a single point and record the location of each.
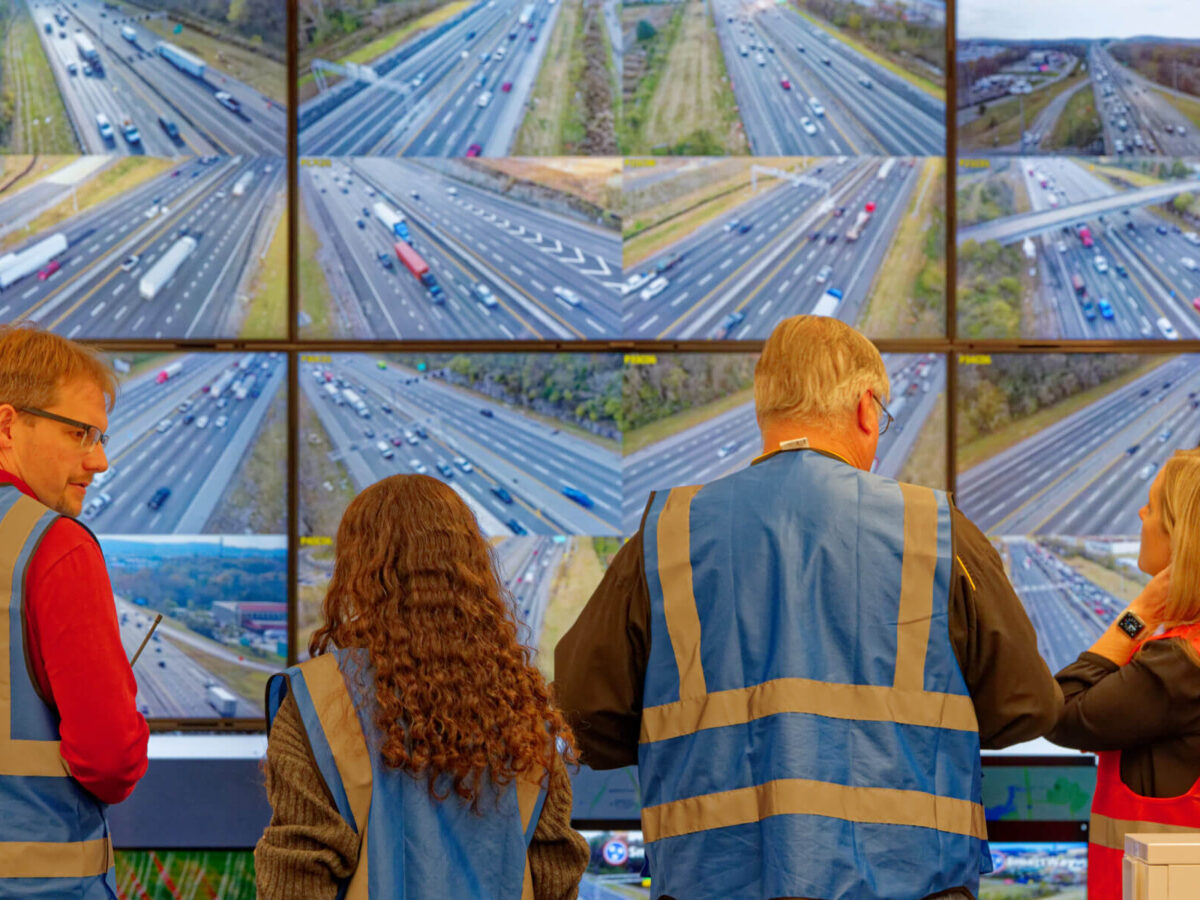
(1135, 695)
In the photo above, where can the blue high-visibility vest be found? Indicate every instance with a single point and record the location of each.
(54, 839)
(806, 729)
(413, 847)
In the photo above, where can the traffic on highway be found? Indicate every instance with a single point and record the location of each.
(408, 252)
(167, 258)
(458, 88)
(131, 91)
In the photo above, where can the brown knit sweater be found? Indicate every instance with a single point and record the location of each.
(308, 848)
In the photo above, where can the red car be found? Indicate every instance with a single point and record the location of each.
(1196, 304)
(506, 87)
(474, 150)
(50, 269)
(533, 39)
(787, 85)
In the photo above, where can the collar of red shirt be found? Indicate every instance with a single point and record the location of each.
(10, 478)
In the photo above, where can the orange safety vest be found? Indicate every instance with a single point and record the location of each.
(1117, 810)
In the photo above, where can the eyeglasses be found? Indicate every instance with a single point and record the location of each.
(884, 425)
(91, 434)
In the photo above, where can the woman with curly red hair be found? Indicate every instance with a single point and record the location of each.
(417, 754)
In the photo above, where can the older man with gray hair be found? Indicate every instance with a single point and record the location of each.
(804, 658)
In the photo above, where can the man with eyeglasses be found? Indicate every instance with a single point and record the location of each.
(803, 658)
(71, 738)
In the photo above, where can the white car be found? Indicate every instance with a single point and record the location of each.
(732, 225)
(824, 273)
(815, 105)
(1188, 263)
(463, 464)
(635, 281)
(484, 99)
(484, 295)
(567, 296)
(129, 263)
(417, 466)
(807, 124)
(654, 288)
(1100, 263)
(1147, 470)
(1167, 329)
(97, 505)
(164, 425)
(220, 421)
(1061, 247)
(202, 422)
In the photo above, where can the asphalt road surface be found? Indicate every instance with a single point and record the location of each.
(1152, 285)
(853, 104)
(528, 566)
(1124, 97)
(1090, 472)
(137, 83)
(195, 462)
(439, 94)
(727, 283)
(729, 441)
(509, 455)
(467, 236)
(111, 246)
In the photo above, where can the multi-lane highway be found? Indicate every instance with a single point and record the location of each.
(458, 89)
(97, 291)
(128, 80)
(528, 567)
(510, 468)
(775, 255)
(1137, 117)
(546, 275)
(729, 441)
(170, 684)
(802, 90)
(1068, 612)
(1090, 472)
(1144, 270)
(178, 437)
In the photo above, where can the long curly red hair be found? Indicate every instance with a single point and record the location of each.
(415, 584)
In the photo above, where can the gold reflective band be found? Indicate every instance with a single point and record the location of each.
(344, 733)
(33, 859)
(32, 758)
(918, 566)
(1110, 833)
(679, 600)
(861, 702)
(803, 797)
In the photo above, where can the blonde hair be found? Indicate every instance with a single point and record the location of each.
(1181, 519)
(814, 368)
(34, 364)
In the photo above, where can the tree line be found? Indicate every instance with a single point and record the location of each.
(680, 382)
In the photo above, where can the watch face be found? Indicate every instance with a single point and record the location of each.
(1131, 624)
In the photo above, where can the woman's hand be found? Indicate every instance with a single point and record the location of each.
(1150, 604)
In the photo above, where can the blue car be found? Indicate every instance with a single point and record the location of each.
(516, 527)
(1089, 311)
(1106, 309)
(502, 494)
(730, 322)
(578, 496)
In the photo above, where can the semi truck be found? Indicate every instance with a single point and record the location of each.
(243, 387)
(828, 304)
(420, 269)
(87, 50)
(886, 168)
(221, 700)
(221, 384)
(393, 220)
(526, 14)
(164, 270)
(860, 222)
(181, 59)
(168, 373)
(242, 184)
(356, 403)
(15, 266)
(129, 34)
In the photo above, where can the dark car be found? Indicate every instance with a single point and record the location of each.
(503, 495)
(1161, 229)
(831, 237)
(578, 496)
(488, 413)
(421, 433)
(1134, 449)
(360, 223)
(516, 527)
(744, 227)
(169, 127)
(385, 259)
(159, 498)
(189, 418)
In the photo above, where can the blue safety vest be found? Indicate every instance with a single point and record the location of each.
(806, 730)
(413, 847)
(54, 840)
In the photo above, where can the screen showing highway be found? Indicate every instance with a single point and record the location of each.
(1056, 456)
(529, 441)
(725, 249)
(1078, 77)
(690, 419)
(442, 249)
(1072, 247)
(147, 248)
(163, 78)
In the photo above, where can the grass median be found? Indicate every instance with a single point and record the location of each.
(33, 118)
(256, 501)
(316, 300)
(640, 438)
(577, 577)
(1000, 124)
(266, 313)
(325, 486)
(542, 130)
(644, 64)
(1079, 124)
(926, 463)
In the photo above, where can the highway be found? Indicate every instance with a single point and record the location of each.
(724, 282)
(96, 292)
(469, 237)
(1068, 611)
(485, 450)
(1090, 472)
(855, 106)
(195, 462)
(729, 441)
(528, 567)
(426, 97)
(135, 81)
(1156, 287)
(1124, 96)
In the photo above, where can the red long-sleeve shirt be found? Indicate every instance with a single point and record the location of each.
(78, 662)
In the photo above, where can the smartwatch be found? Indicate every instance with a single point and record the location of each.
(1131, 624)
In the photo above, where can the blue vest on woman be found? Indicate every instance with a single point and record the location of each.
(806, 729)
(54, 840)
(413, 847)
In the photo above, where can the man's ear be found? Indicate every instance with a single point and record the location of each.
(8, 418)
(868, 422)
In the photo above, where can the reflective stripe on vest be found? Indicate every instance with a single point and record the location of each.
(349, 767)
(1118, 811)
(741, 732)
(37, 794)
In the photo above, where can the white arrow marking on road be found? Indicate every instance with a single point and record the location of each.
(578, 260)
